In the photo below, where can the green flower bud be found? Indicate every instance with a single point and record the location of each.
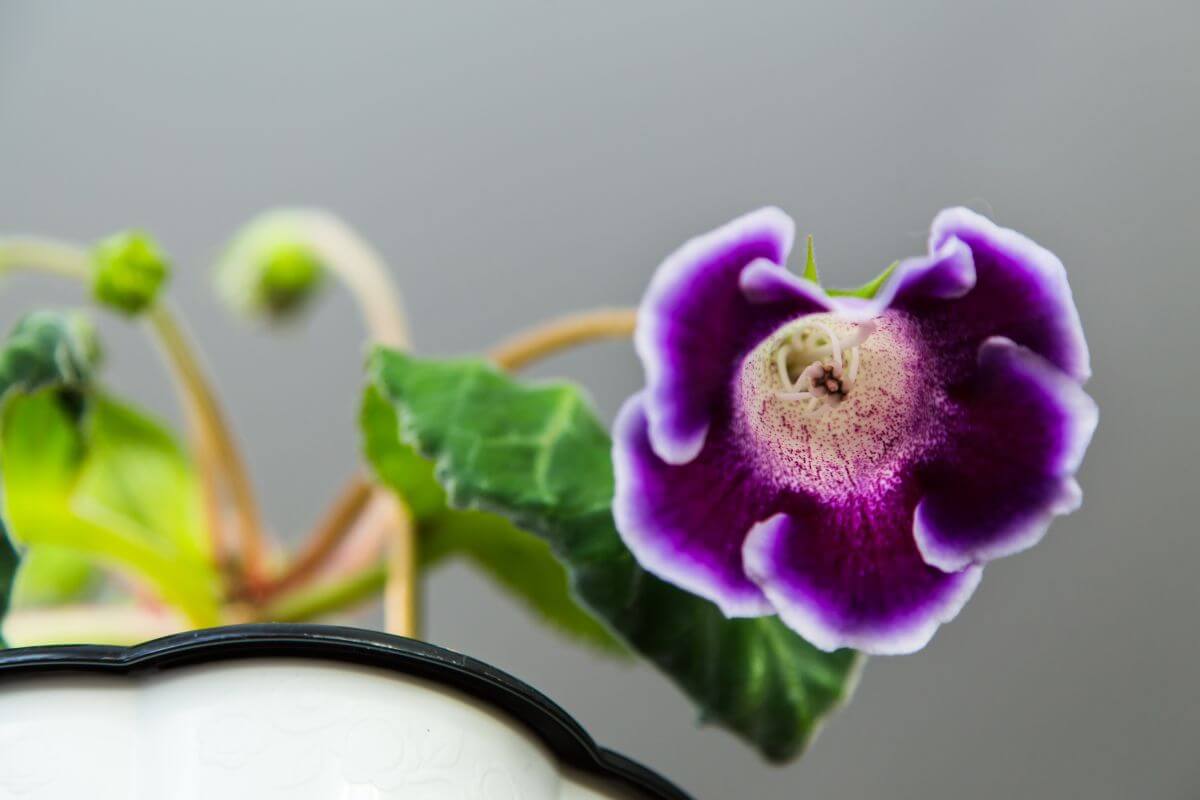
(269, 270)
(49, 348)
(130, 269)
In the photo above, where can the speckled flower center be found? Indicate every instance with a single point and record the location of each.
(833, 403)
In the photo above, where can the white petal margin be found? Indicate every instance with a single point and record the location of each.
(803, 614)
(1046, 267)
(1081, 410)
(669, 285)
(653, 551)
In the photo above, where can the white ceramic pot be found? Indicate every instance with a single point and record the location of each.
(302, 712)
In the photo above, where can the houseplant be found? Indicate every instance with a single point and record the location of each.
(808, 477)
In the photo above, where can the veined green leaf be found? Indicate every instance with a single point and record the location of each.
(517, 561)
(538, 456)
(58, 492)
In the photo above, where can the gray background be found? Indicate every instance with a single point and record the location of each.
(517, 160)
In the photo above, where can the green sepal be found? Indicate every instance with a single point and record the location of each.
(538, 456)
(810, 263)
(129, 270)
(869, 289)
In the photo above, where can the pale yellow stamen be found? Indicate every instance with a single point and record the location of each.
(831, 374)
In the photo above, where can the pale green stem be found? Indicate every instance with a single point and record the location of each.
(44, 255)
(108, 624)
(362, 270)
(133, 624)
(559, 334)
(322, 599)
(189, 373)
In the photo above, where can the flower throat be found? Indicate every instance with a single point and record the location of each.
(817, 367)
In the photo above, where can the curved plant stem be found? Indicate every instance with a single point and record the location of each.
(326, 598)
(185, 363)
(360, 267)
(326, 537)
(44, 255)
(559, 334)
(214, 512)
(362, 270)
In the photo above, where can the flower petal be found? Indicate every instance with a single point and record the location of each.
(693, 323)
(763, 283)
(852, 576)
(1020, 292)
(686, 523)
(948, 272)
(1012, 457)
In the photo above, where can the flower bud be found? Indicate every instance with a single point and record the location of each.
(130, 269)
(270, 270)
(49, 348)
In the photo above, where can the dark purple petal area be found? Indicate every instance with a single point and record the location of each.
(1020, 292)
(947, 272)
(847, 462)
(686, 523)
(1008, 465)
(694, 325)
(851, 576)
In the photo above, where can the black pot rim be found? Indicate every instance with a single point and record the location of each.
(564, 737)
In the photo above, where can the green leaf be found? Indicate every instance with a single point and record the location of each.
(810, 264)
(538, 456)
(101, 485)
(869, 289)
(9, 560)
(53, 575)
(514, 559)
(518, 562)
(396, 464)
(136, 469)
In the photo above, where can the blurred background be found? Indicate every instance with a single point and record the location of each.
(518, 160)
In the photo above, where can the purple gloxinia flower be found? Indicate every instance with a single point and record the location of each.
(851, 463)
